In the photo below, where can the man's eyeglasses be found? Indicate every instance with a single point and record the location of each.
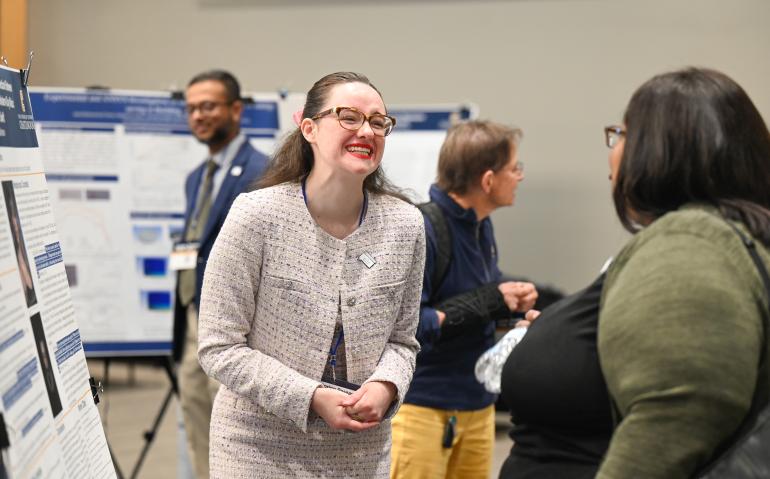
(519, 168)
(205, 107)
(613, 134)
(353, 119)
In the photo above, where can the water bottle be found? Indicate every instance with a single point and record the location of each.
(489, 367)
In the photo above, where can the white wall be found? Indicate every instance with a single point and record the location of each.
(560, 69)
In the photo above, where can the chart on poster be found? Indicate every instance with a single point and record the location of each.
(49, 423)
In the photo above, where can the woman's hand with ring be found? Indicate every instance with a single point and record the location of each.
(371, 401)
(328, 403)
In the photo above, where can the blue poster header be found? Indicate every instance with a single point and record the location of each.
(17, 127)
(91, 109)
(425, 120)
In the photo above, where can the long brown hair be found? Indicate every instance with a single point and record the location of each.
(294, 158)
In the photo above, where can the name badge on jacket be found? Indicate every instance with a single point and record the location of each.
(184, 256)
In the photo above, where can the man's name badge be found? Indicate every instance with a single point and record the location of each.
(184, 256)
(367, 260)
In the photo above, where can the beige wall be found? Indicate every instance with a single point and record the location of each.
(560, 69)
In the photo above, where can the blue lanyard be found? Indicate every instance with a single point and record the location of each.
(363, 210)
(333, 353)
(333, 350)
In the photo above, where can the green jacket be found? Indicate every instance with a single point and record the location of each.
(680, 330)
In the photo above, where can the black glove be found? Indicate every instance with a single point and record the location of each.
(472, 310)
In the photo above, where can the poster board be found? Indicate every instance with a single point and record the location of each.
(116, 162)
(411, 150)
(50, 426)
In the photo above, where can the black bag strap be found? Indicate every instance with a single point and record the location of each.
(752, 248)
(435, 215)
(759, 401)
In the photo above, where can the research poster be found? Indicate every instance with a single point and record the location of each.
(411, 150)
(49, 423)
(116, 163)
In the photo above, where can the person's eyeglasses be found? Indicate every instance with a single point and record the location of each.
(205, 107)
(519, 168)
(352, 119)
(613, 134)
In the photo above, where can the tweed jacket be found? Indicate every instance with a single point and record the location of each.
(274, 287)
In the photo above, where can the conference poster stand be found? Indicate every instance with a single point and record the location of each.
(49, 423)
(116, 161)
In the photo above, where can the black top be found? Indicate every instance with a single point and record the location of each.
(554, 388)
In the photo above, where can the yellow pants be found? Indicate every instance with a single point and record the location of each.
(418, 452)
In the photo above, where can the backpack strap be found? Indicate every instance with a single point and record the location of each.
(435, 215)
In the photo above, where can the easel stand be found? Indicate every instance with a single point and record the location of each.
(96, 389)
(115, 462)
(149, 436)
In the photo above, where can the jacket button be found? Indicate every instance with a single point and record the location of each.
(351, 302)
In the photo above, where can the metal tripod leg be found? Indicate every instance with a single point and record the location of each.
(114, 458)
(149, 436)
(115, 462)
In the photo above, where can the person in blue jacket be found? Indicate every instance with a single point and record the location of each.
(446, 426)
(214, 107)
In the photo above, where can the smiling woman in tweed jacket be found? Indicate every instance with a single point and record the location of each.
(314, 283)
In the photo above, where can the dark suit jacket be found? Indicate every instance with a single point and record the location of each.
(252, 164)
